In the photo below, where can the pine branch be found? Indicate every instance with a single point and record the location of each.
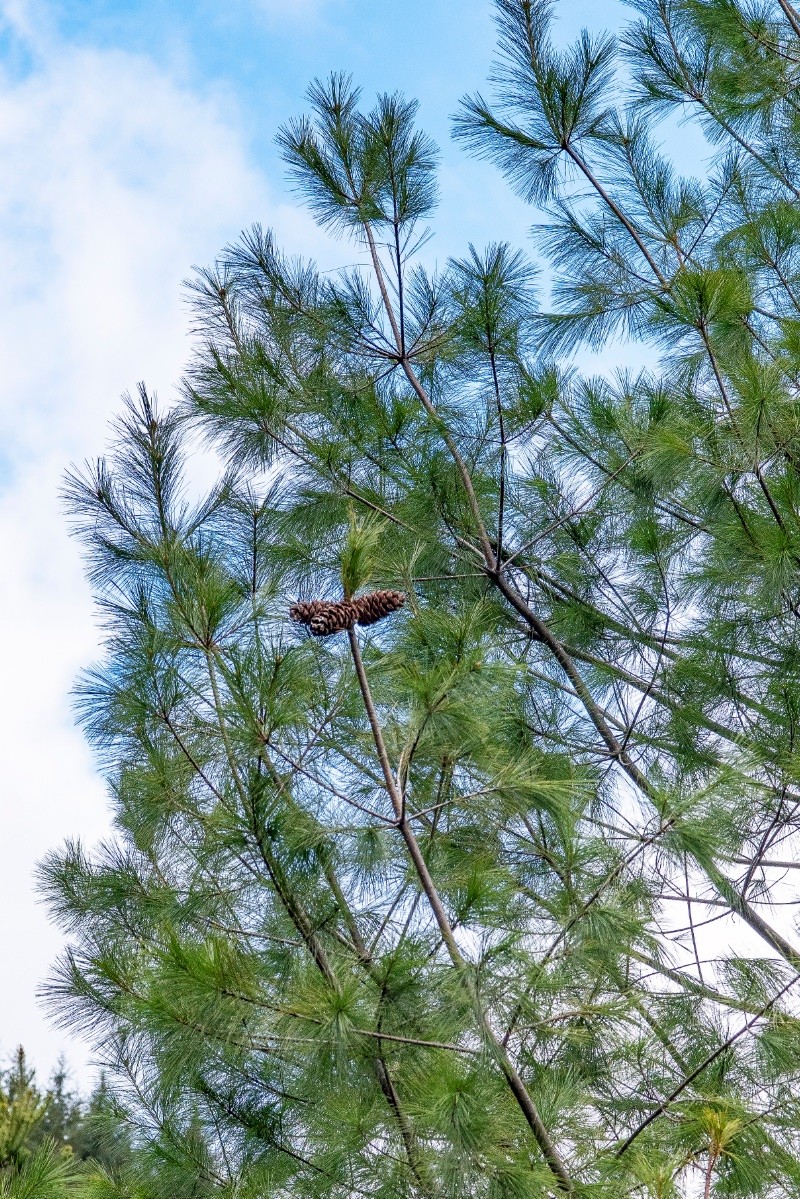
(698, 1070)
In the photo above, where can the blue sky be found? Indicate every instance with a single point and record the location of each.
(135, 140)
(257, 57)
(264, 52)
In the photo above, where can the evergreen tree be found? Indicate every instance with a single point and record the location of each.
(62, 1113)
(53, 1144)
(101, 1135)
(454, 904)
(22, 1111)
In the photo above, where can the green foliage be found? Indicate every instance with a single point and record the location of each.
(452, 906)
(45, 1174)
(22, 1110)
(53, 1144)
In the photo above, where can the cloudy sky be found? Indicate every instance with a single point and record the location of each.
(136, 139)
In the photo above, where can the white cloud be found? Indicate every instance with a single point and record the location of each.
(18, 17)
(115, 180)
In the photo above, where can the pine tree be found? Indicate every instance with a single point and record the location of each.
(62, 1114)
(457, 905)
(22, 1110)
(54, 1145)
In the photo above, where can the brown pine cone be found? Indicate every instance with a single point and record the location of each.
(333, 618)
(376, 605)
(304, 611)
(325, 617)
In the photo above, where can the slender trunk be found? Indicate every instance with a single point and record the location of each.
(712, 1161)
(495, 1046)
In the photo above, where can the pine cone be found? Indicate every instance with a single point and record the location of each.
(305, 610)
(376, 605)
(325, 617)
(333, 618)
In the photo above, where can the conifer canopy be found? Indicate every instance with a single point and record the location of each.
(494, 897)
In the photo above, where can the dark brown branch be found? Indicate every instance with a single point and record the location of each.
(708, 1061)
